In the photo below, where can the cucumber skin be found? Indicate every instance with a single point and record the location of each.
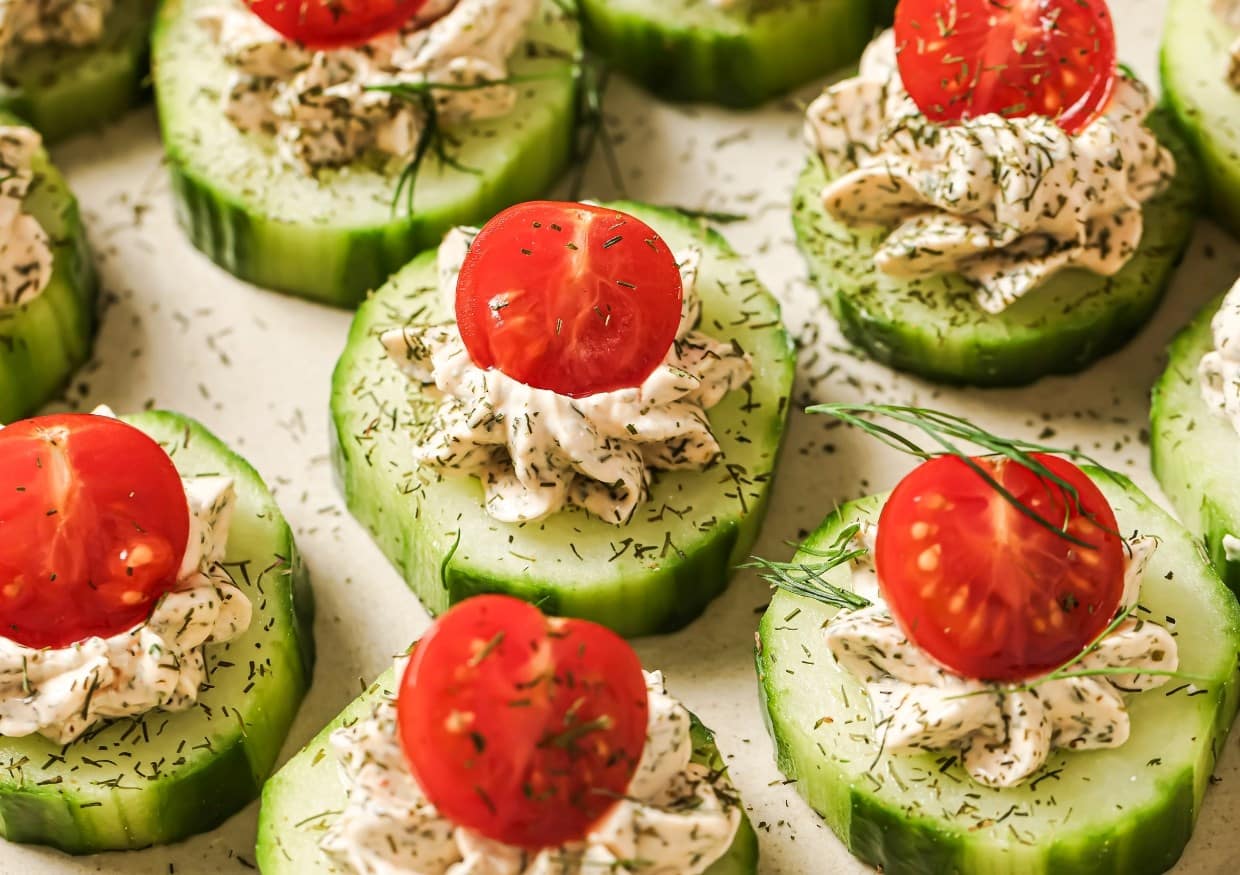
(77, 816)
(1148, 843)
(1189, 76)
(43, 342)
(283, 850)
(741, 64)
(1011, 353)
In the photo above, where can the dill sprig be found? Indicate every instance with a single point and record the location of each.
(806, 579)
(945, 429)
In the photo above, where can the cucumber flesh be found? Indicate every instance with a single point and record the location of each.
(692, 50)
(63, 90)
(655, 573)
(1193, 63)
(43, 341)
(336, 235)
(1124, 811)
(163, 776)
(933, 326)
(300, 801)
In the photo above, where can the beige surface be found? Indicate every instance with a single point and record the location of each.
(255, 367)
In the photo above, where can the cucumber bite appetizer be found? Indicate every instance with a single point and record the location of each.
(1201, 79)
(48, 288)
(71, 65)
(735, 52)
(1016, 211)
(576, 405)
(154, 631)
(316, 148)
(508, 743)
(1009, 664)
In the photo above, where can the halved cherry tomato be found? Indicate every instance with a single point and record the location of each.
(523, 728)
(569, 297)
(333, 24)
(984, 589)
(93, 528)
(964, 58)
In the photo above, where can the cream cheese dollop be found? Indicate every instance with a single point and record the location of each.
(25, 249)
(1220, 367)
(1004, 733)
(62, 692)
(58, 22)
(317, 104)
(536, 451)
(1006, 202)
(677, 818)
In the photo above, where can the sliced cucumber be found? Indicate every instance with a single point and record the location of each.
(164, 776)
(654, 574)
(303, 797)
(338, 234)
(693, 50)
(934, 328)
(1124, 811)
(1194, 62)
(43, 341)
(62, 90)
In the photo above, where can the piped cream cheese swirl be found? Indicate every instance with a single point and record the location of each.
(1007, 202)
(536, 451)
(25, 249)
(1220, 367)
(58, 22)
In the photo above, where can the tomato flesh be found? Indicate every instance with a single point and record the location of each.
(334, 24)
(569, 297)
(963, 58)
(984, 589)
(93, 528)
(522, 728)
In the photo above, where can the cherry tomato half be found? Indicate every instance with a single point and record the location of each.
(984, 589)
(569, 297)
(964, 58)
(334, 24)
(523, 728)
(93, 528)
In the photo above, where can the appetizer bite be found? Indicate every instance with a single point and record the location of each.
(1015, 212)
(509, 743)
(48, 289)
(316, 149)
(571, 406)
(1008, 664)
(734, 52)
(154, 631)
(1201, 80)
(67, 67)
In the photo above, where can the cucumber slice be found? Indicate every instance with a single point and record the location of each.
(164, 776)
(62, 90)
(654, 574)
(1193, 62)
(300, 801)
(338, 234)
(43, 341)
(692, 50)
(933, 327)
(1124, 811)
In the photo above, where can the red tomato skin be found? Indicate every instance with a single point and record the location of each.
(986, 591)
(338, 24)
(573, 298)
(491, 708)
(1066, 71)
(93, 528)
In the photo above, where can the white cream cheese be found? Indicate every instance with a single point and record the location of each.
(316, 103)
(59, 22)
(677, 818)
(536, 451)
(25, 250)
(1006, 202)
(1004, 733)
(62, 692)
(1220, 367)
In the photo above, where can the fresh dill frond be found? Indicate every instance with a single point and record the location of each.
(806, 579)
